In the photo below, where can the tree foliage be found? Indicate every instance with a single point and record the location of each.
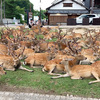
(37, 13)
(13, 8)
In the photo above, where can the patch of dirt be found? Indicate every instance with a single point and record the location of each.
(9, 88)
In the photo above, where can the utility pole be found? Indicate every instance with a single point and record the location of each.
(1, 22)
(92, 6)
(4, 10)
(30, 7)
(40, 12)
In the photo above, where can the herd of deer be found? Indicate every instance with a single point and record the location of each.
(76, 54)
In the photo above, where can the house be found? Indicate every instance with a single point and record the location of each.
(60, 10)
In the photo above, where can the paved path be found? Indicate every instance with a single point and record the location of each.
(34, 96)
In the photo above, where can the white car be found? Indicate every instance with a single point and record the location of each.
(79, 19)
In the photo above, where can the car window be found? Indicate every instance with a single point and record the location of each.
(91, 16)
(83, 16)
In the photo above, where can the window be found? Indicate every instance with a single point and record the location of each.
(90, 16)
(67, 4)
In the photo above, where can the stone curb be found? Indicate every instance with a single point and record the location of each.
(36, 96)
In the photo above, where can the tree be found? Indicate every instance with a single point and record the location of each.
(13, 7)
(37, 13)
(19, 11)
(10, 8)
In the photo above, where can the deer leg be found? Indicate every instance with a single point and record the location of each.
(36, 66)
(96, 76)
(50, 72)
(23, 68)
(84, 61)
(43, 69)
(13, 69)
(76, 77)
(65, 75)
(94, 81)
(31, 64)
(53, 74)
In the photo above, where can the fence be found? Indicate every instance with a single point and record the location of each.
(72, 21)
(96, 21)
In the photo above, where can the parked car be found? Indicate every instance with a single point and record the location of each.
(90, 16)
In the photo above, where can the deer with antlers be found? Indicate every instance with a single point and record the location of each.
(12, 62)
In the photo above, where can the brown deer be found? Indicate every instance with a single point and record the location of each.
(54, 64)
(38, 59)
(12, 61)
(81, 71)
(3, 49)
(27, 52)
(89, 54)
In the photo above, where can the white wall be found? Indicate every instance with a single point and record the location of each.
(5, 21)
(75, 6)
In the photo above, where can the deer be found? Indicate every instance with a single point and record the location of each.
(4, 49)
(12, 62)
(53, 64)
(27, 52)
(90, 55)
(38, 59)
(2, 72)
(81, 71)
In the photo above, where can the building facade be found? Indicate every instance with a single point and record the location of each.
(60, 10)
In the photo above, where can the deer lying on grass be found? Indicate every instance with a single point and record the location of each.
(12, 62)
(2, 72)
(54, 64)
(89, 54)
(81, 71)
(27, 52)
(38, 59)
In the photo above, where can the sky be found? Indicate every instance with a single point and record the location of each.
(44, 4)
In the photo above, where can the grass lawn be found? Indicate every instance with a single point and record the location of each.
(42, 81)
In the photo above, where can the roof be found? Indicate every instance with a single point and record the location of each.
(64, 0)
(68, 11)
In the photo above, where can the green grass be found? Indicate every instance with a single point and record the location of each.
(42, 81)
(53, 40)
(40, 36)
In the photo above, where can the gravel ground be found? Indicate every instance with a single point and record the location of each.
(34, 96)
